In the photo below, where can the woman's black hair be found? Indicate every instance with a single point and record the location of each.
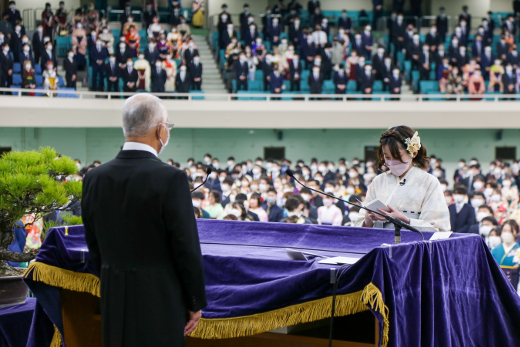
(216, 195)
(242, 208)
(395, 138)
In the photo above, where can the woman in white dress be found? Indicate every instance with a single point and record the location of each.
(410, 192)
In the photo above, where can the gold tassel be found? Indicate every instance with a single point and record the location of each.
(57, 277)
(56, 339)
(225, 328)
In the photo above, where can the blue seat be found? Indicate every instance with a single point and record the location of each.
(37, 69)
(429, 86)
(351, 86)
(377, 87)
(61, 82)
(66, 95)
(17, 79)
(328, 86)
(17, 68)
(39, 80)
(199, 94)
(63, 45)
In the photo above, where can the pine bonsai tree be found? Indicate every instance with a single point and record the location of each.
(32, 182)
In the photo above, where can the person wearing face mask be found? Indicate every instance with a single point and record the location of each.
(509, 189)
(197, 200)
(294, 207)
(148, 15)
(132, 41)
(476, 84)
(183, 81)
(195, 71)
(502, 48)
(340, 80)
(507, 254)
(225, 36)
(486, 61)
(462, 214)
(329, 214)
(395, 82)
(50, 79)
(71, 69)
(345, 22)
(98, 55)
(28, 77)
(441, 22)
(410, 193)
(432, 39)
(49, 55)
(496, 73)
(79, 44)
(140, 192)
(13, 15)
(158, 76)
(274, 31)
(190, 53)
(425, 61)
(243, 18)
(367, 80)
(37, 43)
(367, 41)
(112, 73)
(62, 18)
(315, 80)
(378, 63)
(48, 20)
(513, 58)
(241, 72)
(484, 218)
(108, 39)
(91, 18)
(295, 31)
(129, 76)
(413, 51)
(214, 207)
(122, 53)
(462, 58)
(509, 81)
(184, 29)
(151, 54)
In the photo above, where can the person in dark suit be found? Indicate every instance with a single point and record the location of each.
(441, 22)
(295, 72)
(274, 212)
(225, 36)
(340, 80)
(241, 72)
(316, 17)
(465, 16)
(190, 53)
(152, 292)
(122, 54)
(462, 58)
(413, 51)
(368, 41)
(386, 72)
(13, 15)
(98, 55)
(250, 35)
(395, 82)
(151, 54)
(509, 80)
(26, 54)
(126, 14)
(244, 25)
(48, 54)
(267, 69)
(276, 80)
(486, 61)
(432, 39)
(377, 11)
(345, 22)
(502, 48)
(326, 61)
(158, 77)
(112, 73)
(425, 63)
(147, 16)
(295, 31)
(195, 71)
(357, 45)
(6, 68)
(37, 43)
(378, 62)
(129, 76)
(366, 80)
(513, 58)
(275, 30)
(462, 215)
(312, 5)
(183, 81)
(308, 51)
(71, 70)
(477, 48)
(315, 80)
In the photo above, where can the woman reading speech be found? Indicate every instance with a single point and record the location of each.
(409, 192)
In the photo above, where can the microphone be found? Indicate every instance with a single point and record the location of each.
(402, 183)
(397, 222)
(208, 171)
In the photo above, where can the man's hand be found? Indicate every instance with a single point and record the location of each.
(73, 77)
(193, 322)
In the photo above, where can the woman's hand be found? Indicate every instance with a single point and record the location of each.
(395, 213)
(370, 218)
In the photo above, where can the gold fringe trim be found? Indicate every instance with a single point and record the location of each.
(224, 328)
(57, 277)
(56, 339)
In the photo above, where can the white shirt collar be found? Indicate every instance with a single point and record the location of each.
(137, 146)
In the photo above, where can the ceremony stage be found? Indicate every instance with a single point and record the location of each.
(445, 292)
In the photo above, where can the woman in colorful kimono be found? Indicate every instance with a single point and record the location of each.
(197, 10)
(411, 194)
(163, 47)
(91, 19)
(132, 41)
(175, 41)
(28, 79)
(144, 72)
(507, 254)
(79, 44)
(170, 66)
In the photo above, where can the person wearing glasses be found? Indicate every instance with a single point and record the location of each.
(142, 236)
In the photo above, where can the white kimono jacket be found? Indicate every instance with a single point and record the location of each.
(420, 198)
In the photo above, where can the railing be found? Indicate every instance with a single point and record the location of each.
(19, 92)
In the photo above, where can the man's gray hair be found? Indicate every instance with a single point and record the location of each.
(141, 112)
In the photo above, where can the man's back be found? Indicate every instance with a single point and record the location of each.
(142, 236)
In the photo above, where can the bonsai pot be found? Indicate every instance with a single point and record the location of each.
(13, 291)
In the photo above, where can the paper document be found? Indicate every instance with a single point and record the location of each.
(339, 260)
(441, 235)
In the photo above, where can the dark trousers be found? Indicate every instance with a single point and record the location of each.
(266, 84)
(70, 82)
(97, 77)
(112, 86)
(5, 82)
(295, 86)
(241, 84)
(424, 74)
(196, 85)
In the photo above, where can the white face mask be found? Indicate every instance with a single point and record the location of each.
(481, 216)
(350, 191)
(26, 49)
(494, 241)
(506, 183)
(263, 187)
(488, 192)
(507, 237)
(163, 145)
(71, 55)
(236, 213)
(129, 64)
(485, 230)
(25, 40)
(478, 185)
(196, 203)
(477, 202)
(225, 188)
(141, 56)
(458, 198)
(495, 198)
(183, 69)
(158, 65)
(28, 66)
(112, 60)
(327, 202)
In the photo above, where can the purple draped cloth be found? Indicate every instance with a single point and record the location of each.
(445, 293)
(15, 322)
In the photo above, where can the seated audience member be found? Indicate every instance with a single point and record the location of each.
(197, 199)
(340, 80)
(151, 54)
(295, 71)
(508, 253)
(273, 211)
(79, 44)
(483, 228)
(255, 206)
(183, 29)
(129, 76)
(494, 240)
(476, 84)
(158, 77)
(112, 74)
(294, 207)
(28, 79)
(132, 40)
(496, 72)
(276, 80)
(108, 39)
(71, 70)
(239, 210)
(462, 215)
(144, 72)
(50, 79)
(183, 80)
(214, 207)
(509, 81)
(329, 214)
(154, 30)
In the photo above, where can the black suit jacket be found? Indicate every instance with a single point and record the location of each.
(112, 72)
(45, 58)
(294, 70)
(507, 81)
(71, 68)
(129, 77)
(462, 221)
(432, 40)
(151, 56)
(502, 50)
(195, 72)
(345, 23)
(142, 237)
(395, 83)
(315, 85)
(6, 64)
(293, 33)
(158, 80)
(182, 86)
(188, 56)
(442, 25)
(121, 58)
(366, 82)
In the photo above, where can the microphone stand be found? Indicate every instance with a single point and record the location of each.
(398, 224)
(208, 171)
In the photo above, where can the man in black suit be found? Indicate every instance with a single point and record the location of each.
(112, 73)
(71, 69)
(122, 54)
(158, 77)
(513, 58)
(151, 54)
(395, 82)
(48, 55)
(312, 5)
(190, 53)
(126, 14)
(414, 51)
(295, 30)
(442, 24)
(345, 22)
(37, 43)
(6, 67)
(462, 215)
(386, 72)
(225, 36)
(367, 80)
(129, 76)
(378, 62)
(26, 54)
(241, 72)
(425, 63)
(244, 25)
(183, 81)
(340, 80)
(295, 72)
(509, 80)
(357, 45)
(250, 35)
(195, 71)
(477, 48)
(462, 58)
(98, 55)
(267, 69)
(432, 39)
(465, 16)
(326, 61)
(148, 15)
(399, 33)
(152, 285)
(315, 80)
(503, 48)
(12, 14)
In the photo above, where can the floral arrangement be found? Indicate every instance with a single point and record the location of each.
(413, 144)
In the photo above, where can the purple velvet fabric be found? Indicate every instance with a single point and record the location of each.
(447, 293)
(15, 322)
